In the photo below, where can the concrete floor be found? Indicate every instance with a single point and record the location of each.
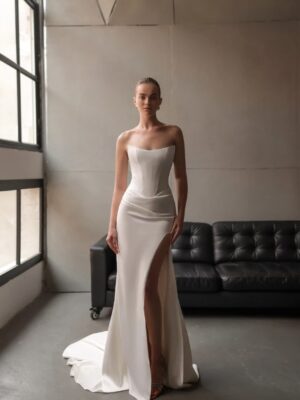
(240, 355)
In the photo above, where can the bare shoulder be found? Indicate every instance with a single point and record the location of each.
(123, 138)
(176, 134)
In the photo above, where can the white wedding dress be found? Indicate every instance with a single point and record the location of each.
(117, 359)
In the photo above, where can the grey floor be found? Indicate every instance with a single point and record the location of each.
(240, 355)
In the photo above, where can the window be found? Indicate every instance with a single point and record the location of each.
(21, 200)
(19, 74)
(21, 244)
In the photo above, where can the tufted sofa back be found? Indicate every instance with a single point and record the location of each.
(256, 241)
(195, 243)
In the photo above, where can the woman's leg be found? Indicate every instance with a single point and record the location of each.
(152, 308)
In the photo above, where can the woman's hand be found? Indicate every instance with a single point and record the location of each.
(112, 240)
(176, 228)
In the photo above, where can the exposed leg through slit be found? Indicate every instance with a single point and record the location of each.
(152, 307)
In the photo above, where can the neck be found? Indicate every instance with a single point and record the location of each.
(148, 122)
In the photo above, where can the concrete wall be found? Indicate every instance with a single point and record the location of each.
(19, 292)
(232, 86)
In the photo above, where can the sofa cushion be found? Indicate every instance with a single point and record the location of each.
(190, 277)
(196, 277)
(194, 244)
(256, 241)
(248, 275)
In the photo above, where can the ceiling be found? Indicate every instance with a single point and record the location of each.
(161, 12)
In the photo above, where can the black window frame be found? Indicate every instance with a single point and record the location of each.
(36, 77)
(18, 184)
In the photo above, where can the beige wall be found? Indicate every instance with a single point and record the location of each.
(19, 292)
(233, 88)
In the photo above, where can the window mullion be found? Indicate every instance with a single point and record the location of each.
(18, 246)
(17, 32)
(18, 72)
(38, 94)
(41, 221)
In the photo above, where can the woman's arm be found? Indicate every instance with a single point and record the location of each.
(120, 185)
(181, 182)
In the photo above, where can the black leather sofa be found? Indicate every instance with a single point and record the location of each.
(229, 264)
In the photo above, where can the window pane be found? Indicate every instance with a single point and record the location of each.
(8, 103)
(28, 114)
(7, 230)
(30, 223)
(26, 29)
(8, 29)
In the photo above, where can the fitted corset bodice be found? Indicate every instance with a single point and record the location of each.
(150, 170)
(149, 186)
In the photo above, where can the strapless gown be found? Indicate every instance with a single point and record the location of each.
(118, 359)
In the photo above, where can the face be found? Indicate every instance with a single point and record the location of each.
(146, 98)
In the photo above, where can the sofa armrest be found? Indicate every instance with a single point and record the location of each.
(103, 263)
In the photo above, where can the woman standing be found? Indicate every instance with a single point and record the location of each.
(146, 347)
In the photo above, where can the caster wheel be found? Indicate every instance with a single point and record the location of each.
(95, 312)
(94, 315)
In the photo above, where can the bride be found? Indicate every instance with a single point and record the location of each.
(146, 348)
